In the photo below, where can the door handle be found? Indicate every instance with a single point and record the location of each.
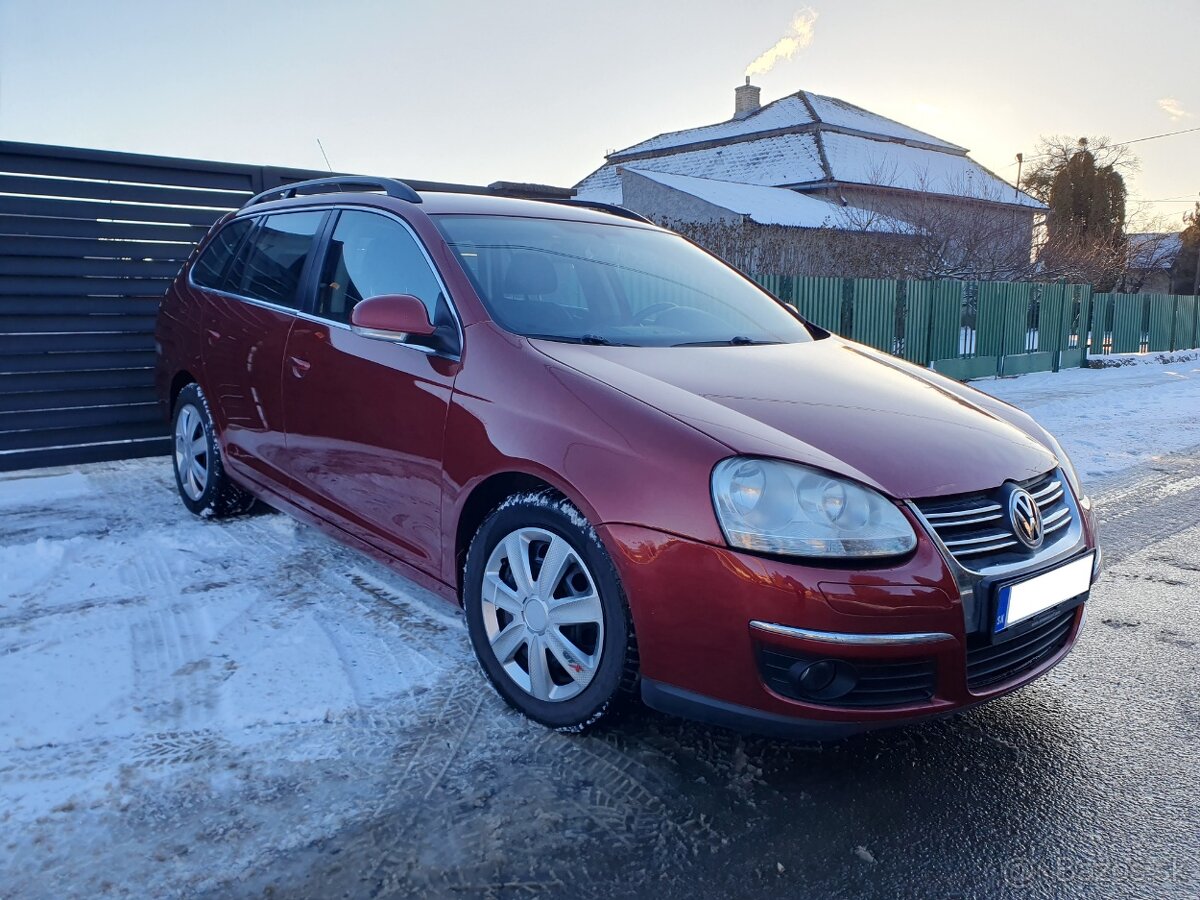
(300, 366)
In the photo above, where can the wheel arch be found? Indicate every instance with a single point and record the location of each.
(483, 498)
(181, 380)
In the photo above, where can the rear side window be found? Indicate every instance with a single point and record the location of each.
(210, 267)
(270, 264)
(370, 255)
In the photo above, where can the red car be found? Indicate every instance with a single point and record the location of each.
(637, 472)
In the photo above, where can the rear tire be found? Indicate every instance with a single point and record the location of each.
(204, 487)
(547, 615)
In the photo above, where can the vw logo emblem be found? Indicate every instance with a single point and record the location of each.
(1025, 518)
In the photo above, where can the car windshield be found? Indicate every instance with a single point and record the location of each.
(592, 283)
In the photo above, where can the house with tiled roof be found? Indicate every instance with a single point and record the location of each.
(807, 161)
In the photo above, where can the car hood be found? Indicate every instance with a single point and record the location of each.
(830, 404)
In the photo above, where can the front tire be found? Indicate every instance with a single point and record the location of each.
(546, 613)
(204, 487)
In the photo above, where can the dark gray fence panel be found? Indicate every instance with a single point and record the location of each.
(89, 241)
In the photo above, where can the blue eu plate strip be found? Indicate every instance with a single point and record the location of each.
(1002, 609)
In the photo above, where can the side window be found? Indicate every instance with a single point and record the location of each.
(210, 267)
(268, 267)
(369, 255)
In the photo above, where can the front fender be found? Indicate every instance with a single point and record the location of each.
(618, 459)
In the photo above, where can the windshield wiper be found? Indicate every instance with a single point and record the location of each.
(596, 340)
(738, 340)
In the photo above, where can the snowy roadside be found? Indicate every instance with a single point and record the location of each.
(1112, 360)
(1111, 419)
(207, 697)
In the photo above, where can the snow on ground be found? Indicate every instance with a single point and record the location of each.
(1111, 419)
(150, 660)
(184, 703)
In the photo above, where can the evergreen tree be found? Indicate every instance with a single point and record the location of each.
(1085, 192)
(1087, 201)
(1183, 271)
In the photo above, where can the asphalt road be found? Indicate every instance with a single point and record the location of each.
(1085, 784)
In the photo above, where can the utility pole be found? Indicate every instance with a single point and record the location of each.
(1196, 278)
(1020, 162)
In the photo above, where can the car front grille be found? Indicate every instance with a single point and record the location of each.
(975, 527)
(989, 664)
(880, 683)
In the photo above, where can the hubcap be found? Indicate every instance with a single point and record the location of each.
(536, 616)
(542, 614)
(191, 452)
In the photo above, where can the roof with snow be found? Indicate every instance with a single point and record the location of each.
(774, 206)
(1154, 250)
(807, 141)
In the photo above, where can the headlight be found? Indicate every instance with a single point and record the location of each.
(776, 507)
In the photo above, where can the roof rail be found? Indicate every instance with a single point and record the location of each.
(604, 207)
(389, 186)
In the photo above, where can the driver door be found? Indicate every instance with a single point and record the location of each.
(365, 417)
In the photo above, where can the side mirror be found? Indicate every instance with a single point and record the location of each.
(391, 317)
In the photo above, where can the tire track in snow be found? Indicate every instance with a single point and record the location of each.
(170, 654)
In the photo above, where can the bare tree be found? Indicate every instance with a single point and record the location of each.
(783, 250)
(959, 228)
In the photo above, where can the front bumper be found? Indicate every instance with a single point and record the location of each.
(704, 615)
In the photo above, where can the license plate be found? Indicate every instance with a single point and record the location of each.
(1020, 600)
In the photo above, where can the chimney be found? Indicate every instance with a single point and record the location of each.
(745, 100)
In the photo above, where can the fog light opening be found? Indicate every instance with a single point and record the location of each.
(825, 679)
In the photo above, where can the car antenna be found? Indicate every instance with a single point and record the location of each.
(321, 147)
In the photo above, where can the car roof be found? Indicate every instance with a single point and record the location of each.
(436, 203)
(444, 203)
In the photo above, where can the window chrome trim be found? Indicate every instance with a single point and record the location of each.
(847, 638)
(345, 326)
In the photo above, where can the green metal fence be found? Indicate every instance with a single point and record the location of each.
(971, 329)
(1144, 323)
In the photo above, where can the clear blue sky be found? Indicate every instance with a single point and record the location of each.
(537, 91)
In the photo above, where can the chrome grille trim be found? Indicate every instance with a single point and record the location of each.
(1055, 519)
(977, 511)
(990, 548)
(973, 528)
(1064, 539)
(985, 539)
(1041, 496)
(947, 523)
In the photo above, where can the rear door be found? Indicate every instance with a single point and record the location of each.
(246, 325)
(365, 417)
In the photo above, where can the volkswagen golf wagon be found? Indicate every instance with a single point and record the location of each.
(639, 473)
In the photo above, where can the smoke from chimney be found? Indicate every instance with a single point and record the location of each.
(799, 37)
